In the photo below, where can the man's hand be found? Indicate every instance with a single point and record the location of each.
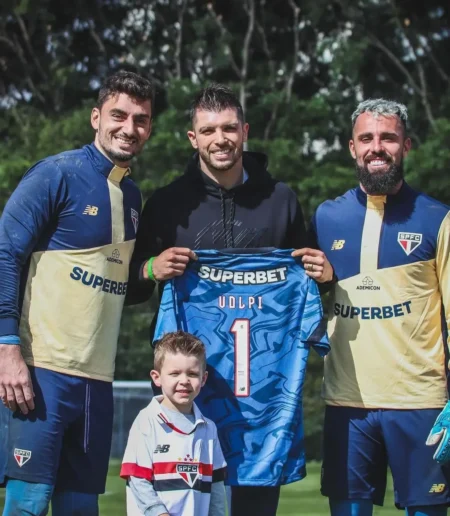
(170, 263)
(440, 433)
(16, 389)
(316, 264)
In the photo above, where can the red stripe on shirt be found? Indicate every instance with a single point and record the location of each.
(172, 426)
(160, 468)
(130, 469)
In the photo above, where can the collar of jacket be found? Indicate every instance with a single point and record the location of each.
(103, 165)
(404, 194)
(255, 164)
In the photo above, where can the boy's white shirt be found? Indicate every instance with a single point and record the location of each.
(161, 453)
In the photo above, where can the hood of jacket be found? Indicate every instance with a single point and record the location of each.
(255, 164)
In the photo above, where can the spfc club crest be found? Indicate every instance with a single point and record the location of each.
(409, 241)
(135, 219)
(22, 456)
(188, 471)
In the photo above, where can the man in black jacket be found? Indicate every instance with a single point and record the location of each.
(225, 199)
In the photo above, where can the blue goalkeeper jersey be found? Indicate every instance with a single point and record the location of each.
(257, 314)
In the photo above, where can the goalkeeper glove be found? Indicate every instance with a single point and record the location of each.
(440, 433)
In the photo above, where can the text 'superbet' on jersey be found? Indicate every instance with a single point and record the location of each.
(258, 315)
(67, 235)
(390, 309)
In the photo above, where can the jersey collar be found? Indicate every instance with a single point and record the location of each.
(158, 411)
(106, 167)
(404, 194)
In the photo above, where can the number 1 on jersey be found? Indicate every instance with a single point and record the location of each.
(241, 331)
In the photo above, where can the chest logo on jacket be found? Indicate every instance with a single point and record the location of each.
(22, 456)
(409, 241)
(188, 470)
(229, 233)
(91, 210)
(338, 245)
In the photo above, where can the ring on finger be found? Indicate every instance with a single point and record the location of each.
(310, 267)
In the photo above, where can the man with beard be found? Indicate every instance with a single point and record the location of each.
(225, 199)
(385, 378)
(66, 239)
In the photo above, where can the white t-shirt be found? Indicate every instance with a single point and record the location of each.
(181, 466)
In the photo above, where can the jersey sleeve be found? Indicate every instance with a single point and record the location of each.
(219, 464)
(443, 272)
(145, 498)
(168, 319)
(147, 245)
(313, 326)
(217, 504)
(30, 211)
(137, 460)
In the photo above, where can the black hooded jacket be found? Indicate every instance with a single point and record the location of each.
(195, 212)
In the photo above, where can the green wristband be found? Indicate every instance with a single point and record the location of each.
(151, 276)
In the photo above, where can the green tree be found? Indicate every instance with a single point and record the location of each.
(299, 68)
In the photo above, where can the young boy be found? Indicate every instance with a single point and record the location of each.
(173, 462)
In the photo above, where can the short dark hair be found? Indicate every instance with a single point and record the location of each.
(216, 97)
(129, 83)
(178, 342)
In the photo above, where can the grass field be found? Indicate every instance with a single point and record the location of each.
(301, 498)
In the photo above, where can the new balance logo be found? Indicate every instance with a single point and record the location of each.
(337, 245)
(90, 210)
(162, 448)
(437, 488)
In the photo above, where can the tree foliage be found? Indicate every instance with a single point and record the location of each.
(299, 69)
